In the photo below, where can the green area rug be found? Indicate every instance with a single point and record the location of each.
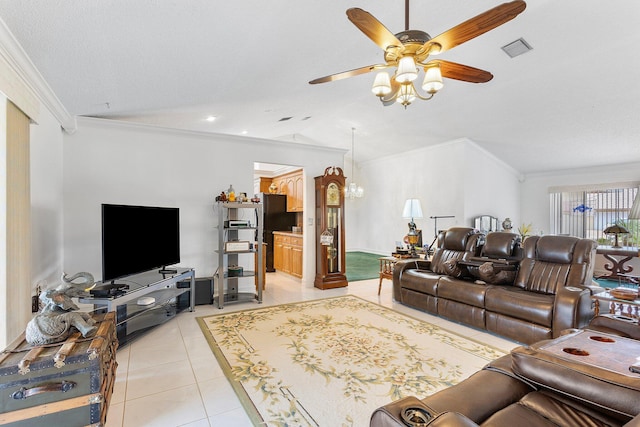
(362, 266)
(332, 362)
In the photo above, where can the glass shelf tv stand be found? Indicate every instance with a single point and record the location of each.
(173, 293)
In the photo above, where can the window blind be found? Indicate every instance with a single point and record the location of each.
(585, 211)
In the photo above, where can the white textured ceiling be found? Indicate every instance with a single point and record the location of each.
(573, 101)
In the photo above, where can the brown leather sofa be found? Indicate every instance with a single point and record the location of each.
(536, 386)
(551, 289)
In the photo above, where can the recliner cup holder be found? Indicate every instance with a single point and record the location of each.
(575, 351)
(414, 416)
(602, 339)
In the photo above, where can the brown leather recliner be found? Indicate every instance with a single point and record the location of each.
(533, 387)
(420, 278)
(499, 397)
(551, 291)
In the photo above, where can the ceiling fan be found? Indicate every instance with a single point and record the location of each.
(410, 49)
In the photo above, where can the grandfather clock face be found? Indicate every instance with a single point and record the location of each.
(333, 194)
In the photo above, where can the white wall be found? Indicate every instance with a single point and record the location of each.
(457, 178)
(112, 162)
(491, 187)
(46, 201)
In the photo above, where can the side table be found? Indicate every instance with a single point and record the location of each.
(386, 268)
(616, 306)
(619, 271)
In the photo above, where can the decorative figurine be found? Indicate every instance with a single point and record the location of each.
(56, 320)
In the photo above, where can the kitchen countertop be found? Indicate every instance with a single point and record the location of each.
(288, 233)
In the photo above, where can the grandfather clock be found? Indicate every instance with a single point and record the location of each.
(330, 249)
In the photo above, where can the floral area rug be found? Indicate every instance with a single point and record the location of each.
(332, 362)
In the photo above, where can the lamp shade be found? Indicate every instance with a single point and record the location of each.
(615, 229)
(381, 84)
(432, 79)
(412, 209)
(407, 71)
(635, 208)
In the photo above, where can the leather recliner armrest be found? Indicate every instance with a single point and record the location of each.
(400, 267)
(573, 308)
(389, 415)
(451, 419)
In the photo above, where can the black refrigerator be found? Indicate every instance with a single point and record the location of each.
(276, 218)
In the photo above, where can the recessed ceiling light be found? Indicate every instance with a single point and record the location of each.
(244, 132)
(211, 118)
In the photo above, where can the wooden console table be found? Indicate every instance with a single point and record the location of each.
(619, 271)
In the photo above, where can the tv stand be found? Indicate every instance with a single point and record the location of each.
(170, 291)
(168, 271)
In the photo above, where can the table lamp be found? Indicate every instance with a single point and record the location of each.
(412, 210)
(615, 230)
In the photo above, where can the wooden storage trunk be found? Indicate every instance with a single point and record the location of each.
(63, 384)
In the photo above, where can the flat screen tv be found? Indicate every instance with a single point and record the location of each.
(136, 239)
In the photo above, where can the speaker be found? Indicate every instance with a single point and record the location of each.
(204, 290)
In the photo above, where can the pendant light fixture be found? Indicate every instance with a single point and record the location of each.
(353, 191)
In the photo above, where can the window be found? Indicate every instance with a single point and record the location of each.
(585, 211)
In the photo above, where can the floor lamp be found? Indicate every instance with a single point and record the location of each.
(435, 230)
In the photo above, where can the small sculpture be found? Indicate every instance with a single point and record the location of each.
(56, 320)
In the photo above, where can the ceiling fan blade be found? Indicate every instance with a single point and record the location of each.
(474, 27)
(465, 73)
(373, 28)
(346, 74)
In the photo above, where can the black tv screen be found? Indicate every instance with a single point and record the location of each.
(138, 238)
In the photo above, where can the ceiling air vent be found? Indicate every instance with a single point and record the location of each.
(517, 47)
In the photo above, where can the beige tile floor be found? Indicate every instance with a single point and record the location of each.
(169, 376)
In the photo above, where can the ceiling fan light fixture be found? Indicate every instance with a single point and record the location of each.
(432, 79)
(407, 70)
(406, 94)
(381, 84)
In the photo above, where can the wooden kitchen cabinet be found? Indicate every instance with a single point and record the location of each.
(292, 184)
(287, 253)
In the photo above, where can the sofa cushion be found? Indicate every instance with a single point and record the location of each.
(452, 268)
(462, 291)
(499, 275)
(454, 243)
(500, 245)
(455, 238)
(544, 409)
(423, 281)
(543, 277)
(556, 249)
(520, 304)
(442, 257)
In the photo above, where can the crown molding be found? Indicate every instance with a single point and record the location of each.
(87, 121)
(30, 78)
